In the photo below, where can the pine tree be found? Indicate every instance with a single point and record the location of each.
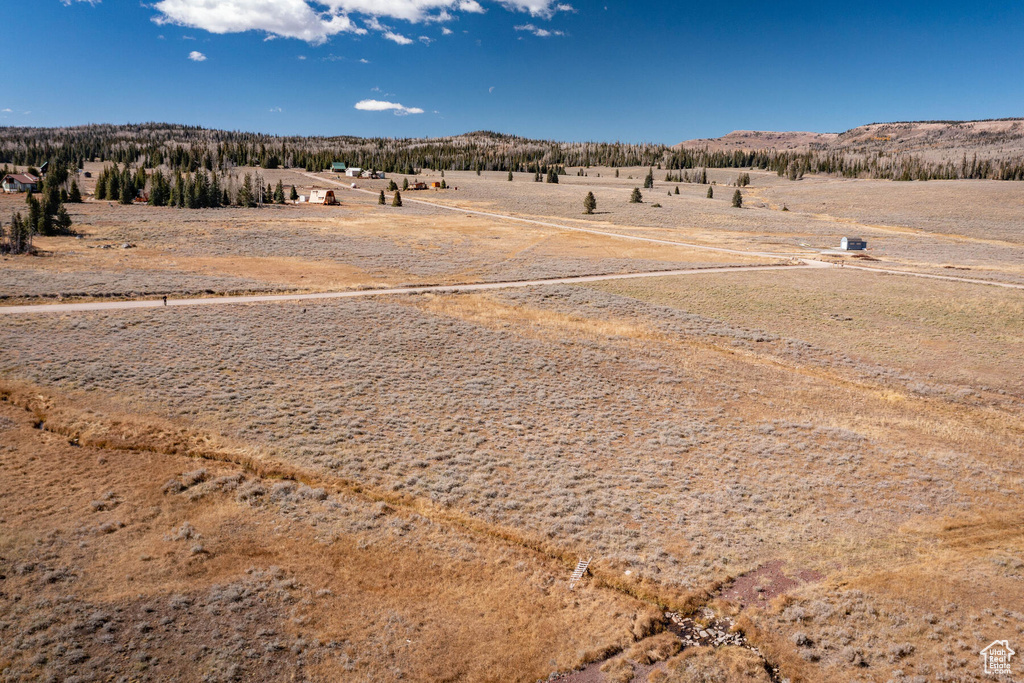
(35, 213)
(737, 199)
(191, 200)
(649, 180)
(294, 194)
(405, 184)
(392, 186)
(397, 201)
(75, 196)
(63, 221)
(213, 193)
(114, 184)
(677, 189)
(279, 193)
(553, 176)
(19, 236)
(510, 176)
(127, 189)
(711, 192)
(154, 189)
(444, 185)
(536, 177)
(589, 203)
(245, 196)
(381, 200)
(636, 197)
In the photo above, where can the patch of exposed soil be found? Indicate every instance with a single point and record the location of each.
(759, 587)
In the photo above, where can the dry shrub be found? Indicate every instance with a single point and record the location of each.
(775, 649)
(647, 622)
(617, 670)
(655, 648)
(706, 665)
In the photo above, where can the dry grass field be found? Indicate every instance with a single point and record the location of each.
(310, 248)
(398, 487)
(971, 228)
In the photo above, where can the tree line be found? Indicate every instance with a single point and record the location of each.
(198, 190)
(189, 149)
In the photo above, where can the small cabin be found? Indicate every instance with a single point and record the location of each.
(435, 185)
(353, 172)
(417, 185)
(338, 167)
(853, 244)
(20, 182)
(324, 197)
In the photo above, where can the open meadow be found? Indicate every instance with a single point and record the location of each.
(821, 464)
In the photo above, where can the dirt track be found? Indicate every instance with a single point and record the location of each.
(155, 303)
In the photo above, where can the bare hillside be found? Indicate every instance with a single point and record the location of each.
(931, 139)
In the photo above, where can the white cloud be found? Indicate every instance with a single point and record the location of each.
(378, 105)
(196, 56)
(539, 32)
(364, 61)
(284, 18)
(537, 8)
(315, 21)
(397, 38)
(491, 89)
(445, 31)
(68, 3)
(414, 11)
(276, 110)
(8, 110)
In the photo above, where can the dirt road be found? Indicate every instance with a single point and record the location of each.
(266, 298)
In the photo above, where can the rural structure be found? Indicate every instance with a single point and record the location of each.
(20, 182)
(853, 244)
(324, 197)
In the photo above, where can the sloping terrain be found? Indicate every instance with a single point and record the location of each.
(933, 140)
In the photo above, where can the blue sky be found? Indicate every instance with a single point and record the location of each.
(637, 71)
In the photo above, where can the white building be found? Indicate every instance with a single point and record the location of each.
(20, 182)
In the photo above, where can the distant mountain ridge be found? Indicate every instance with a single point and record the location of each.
(934, 140)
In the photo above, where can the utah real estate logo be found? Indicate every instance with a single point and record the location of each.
(997, 658)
